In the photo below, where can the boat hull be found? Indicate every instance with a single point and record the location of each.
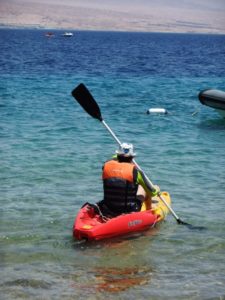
(90, 226)
(213, 98)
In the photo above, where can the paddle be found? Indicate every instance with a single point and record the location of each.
(86, 100)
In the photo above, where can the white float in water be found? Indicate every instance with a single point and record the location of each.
(157, 111)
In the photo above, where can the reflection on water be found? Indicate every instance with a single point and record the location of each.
(117, 264)
(111, 280)
(119, 279)
(216, 124)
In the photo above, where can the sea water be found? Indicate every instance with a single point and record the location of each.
(52, 154)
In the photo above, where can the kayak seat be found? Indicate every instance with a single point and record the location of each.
(97, 210)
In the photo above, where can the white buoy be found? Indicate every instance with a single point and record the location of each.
(157, 111)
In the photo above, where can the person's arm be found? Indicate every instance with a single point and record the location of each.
(141, 179)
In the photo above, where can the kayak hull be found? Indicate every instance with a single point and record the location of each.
(90, 225)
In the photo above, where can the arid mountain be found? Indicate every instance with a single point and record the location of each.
(88, 15)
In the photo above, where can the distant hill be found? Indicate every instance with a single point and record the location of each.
(51, 14)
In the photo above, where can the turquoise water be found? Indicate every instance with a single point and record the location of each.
(52, 153)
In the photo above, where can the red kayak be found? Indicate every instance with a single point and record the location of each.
(90, 224)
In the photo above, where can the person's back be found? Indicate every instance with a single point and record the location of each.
(124, 186)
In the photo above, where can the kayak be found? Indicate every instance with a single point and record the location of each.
(91, 225)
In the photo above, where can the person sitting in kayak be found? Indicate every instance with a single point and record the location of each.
(125, 187)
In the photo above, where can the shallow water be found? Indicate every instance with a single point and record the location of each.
(52, 153)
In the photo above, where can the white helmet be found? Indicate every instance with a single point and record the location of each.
(126, 150)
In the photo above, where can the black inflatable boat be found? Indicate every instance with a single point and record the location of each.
(213, 98)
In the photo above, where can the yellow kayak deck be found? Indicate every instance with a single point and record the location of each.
(158, 206)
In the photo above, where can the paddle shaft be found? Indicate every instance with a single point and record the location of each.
(139, 168)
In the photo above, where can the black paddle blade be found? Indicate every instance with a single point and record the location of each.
(192, 227)
(85, 99)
